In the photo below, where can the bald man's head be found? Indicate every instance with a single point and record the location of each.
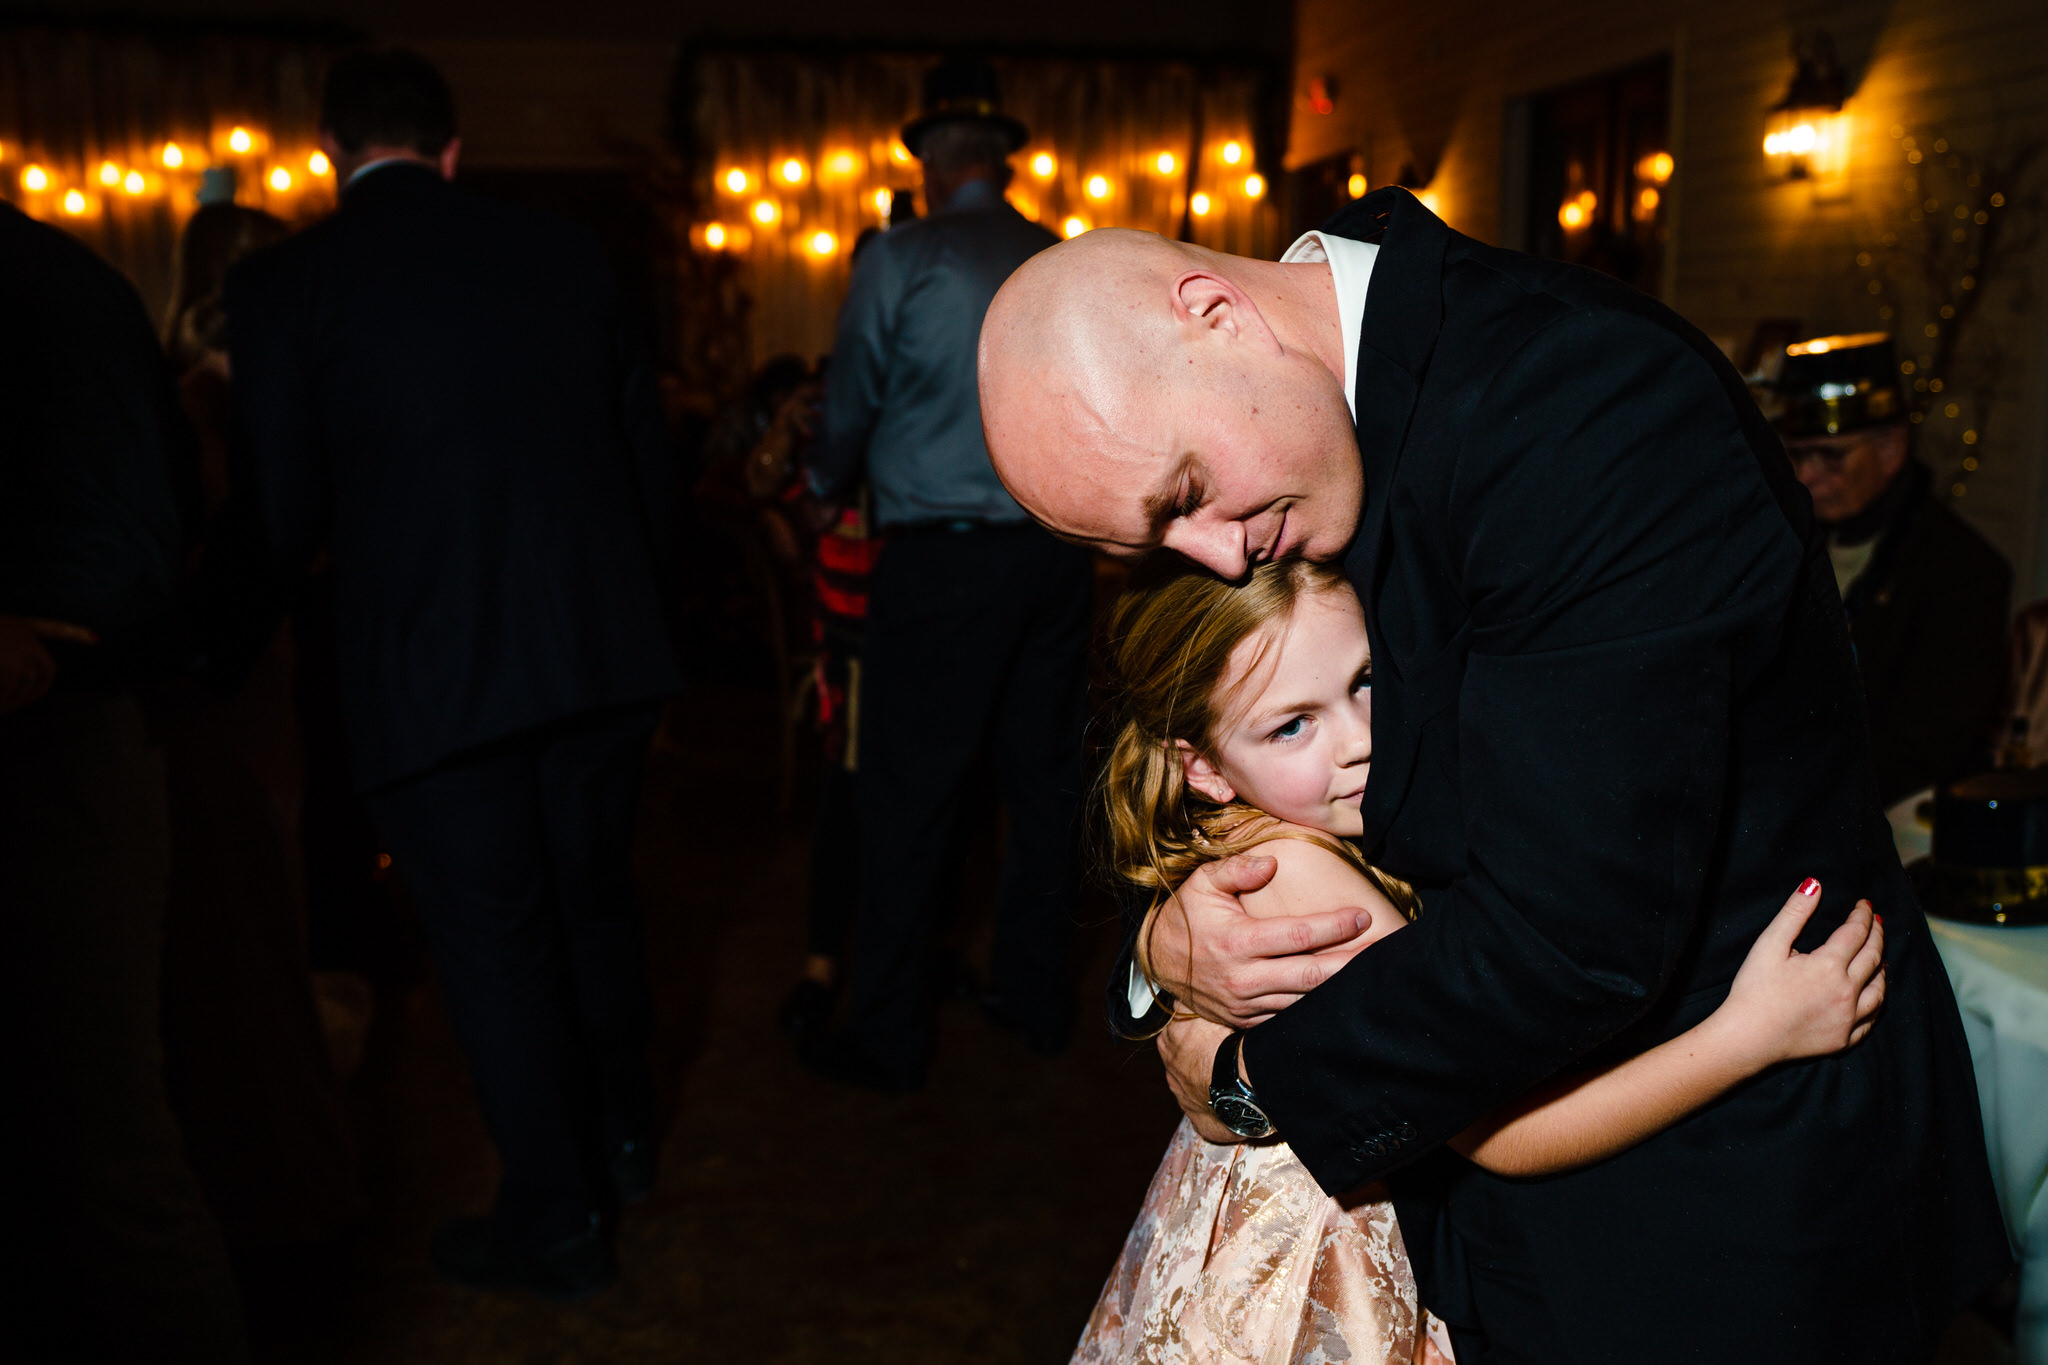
(1138, 392)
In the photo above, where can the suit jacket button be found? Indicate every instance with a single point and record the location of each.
(1374, 1147)
(1406, 1132)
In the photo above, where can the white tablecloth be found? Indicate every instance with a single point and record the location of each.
(2000, 977)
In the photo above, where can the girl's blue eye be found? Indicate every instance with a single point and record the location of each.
(1290, 729)
(1362, 682)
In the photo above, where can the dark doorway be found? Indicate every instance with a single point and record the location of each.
(1599, 162)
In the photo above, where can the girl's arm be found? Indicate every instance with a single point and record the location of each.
(1783, 1005)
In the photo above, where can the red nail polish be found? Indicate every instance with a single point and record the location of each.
(1808, 887)
(1879, 918)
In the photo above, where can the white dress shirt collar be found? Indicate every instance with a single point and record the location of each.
(1351, 264)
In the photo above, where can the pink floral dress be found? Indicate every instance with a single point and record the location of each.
(1238, 1256)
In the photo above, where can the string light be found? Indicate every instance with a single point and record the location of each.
(35, 179)
(173, 156)
(1075, 227)
(1043, 165)
(842, 163)
(714, 236)
(133, 182)
(1097, 187)
(899, 153)
(110, 174)
(74, 203)
(1199, 205)
(318, 163)
(240, 141)
(736, 180)
(823, 244)
(1355, 186)
(766, 212)
(1656, 167)
(280, 179)
(1167, 163)
(883, 199)
(1254, 186)
(792, 172)
(1233, 152)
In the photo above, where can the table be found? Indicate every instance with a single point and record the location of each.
(2000, 977)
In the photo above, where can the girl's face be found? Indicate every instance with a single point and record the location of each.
(1294, 718)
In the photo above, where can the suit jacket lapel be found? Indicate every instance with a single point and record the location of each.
(1403, 315)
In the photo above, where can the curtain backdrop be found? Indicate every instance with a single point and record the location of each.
(77, 99)
(835, 114)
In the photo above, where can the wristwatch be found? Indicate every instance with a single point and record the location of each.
(1230, 1099)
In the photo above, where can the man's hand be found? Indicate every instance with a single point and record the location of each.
(1188, 1047)
(1231, 968)
(26, 668)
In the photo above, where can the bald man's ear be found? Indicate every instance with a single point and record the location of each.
(1214, 302)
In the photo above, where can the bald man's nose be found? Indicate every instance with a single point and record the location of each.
(1217, 546)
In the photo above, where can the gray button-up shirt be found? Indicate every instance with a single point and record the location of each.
(901, 389)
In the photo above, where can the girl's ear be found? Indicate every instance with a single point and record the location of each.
(1203, 775)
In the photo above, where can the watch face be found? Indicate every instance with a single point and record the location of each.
(1240, 1115)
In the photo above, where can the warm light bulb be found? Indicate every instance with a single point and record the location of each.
(1571, 216)
(280, 179)
(1800, 140)
(714, 236)
(1649, 199)
(1043, 165)
(1098, 187)
(174, 156)
(765, 211)
(240, 140)
(842, 163)
(1166, 163)
(1200, 205)
(35, 179)
(899, 153)
(1074, 227)
(1254, 186)
(792, 171)
(882, 201)
(1233, 152)
(318, 163)
(1656, 167)
(1588, 200)
(134, 183)
(1355, 186)
(736, 180)
(823, 244)
(74, 202)
(110, 174)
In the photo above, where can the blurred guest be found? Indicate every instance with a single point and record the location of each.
(1925, 594)
(441, 392)
(976, 620)
(248, 1062)
(110, 1252)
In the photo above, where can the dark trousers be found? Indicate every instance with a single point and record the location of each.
(518, 857)
(109, 1251)
(973, 638)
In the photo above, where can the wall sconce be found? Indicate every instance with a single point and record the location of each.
(1807, 135)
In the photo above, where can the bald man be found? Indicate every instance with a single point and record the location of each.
(1616, 719)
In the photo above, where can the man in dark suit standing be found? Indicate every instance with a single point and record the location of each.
(441, 392)
(110, 1252)
(1615, 714)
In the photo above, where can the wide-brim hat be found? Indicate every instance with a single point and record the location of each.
(962, 89)
(1832, 385)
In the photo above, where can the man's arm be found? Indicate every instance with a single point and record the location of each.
(1626, 570)
(858, 379)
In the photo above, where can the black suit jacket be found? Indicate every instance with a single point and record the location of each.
(1616, 720)
(98, 468)
(1928, 618)
(441, 390)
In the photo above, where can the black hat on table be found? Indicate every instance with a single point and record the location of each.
(1832, 385)
(1990, 857)
(962, 88)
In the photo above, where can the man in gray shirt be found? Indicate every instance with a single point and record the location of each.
(977, 620)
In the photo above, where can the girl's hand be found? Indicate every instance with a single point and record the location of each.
(1786, 1004)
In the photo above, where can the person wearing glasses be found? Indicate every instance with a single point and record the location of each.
(1925, 594)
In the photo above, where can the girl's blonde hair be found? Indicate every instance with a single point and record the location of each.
(1168, 648)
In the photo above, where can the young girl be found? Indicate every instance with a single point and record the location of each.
(1247, 724)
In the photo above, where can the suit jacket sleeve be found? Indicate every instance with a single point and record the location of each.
(858, 379)
(1626, 569)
